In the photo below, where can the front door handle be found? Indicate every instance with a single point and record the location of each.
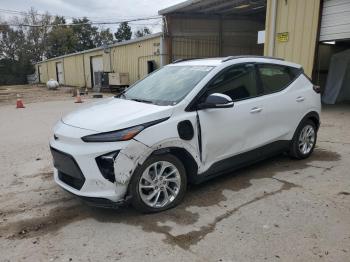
(256, 110)
(300, 99)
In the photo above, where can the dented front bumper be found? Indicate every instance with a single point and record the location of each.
(82, 156)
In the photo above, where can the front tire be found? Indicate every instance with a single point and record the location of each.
(158, 184)
(304, 140)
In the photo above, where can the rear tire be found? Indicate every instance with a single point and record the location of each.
(304, 140)
(158, 184)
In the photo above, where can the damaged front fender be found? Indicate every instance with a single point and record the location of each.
(136, 153)
(128, 159)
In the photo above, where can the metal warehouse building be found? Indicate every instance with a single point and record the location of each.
(134, 57)
(308, 32)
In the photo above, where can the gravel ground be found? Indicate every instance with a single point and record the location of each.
(277, 210)
(38, 93)
(32, 93)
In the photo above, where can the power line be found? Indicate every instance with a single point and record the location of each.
(23, 13)
(88, 23)
(91, 18)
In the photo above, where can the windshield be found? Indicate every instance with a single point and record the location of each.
(167, 86)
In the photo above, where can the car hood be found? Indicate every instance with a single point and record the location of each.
(114, 114)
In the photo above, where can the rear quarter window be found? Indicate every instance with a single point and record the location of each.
(275, 78)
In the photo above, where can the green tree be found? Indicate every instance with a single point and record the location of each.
(123, 33)
(36, 35)
(61, 39)
(11, 42)
(105, 37)
(85, 33)
(22, 46)
(142, 32)
(15, 60)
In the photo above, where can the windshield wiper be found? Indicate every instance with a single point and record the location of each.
(122, 96)
(142, 100)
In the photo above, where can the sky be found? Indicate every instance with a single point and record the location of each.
(110, 10)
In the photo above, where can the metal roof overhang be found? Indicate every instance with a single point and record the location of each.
(217, 7)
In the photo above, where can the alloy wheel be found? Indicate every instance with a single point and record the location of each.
(159, 184)
(307, 139)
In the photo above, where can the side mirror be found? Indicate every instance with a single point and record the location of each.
(216, 100)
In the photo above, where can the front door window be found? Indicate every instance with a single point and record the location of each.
(238, 82)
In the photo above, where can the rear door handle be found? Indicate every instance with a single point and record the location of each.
(256, 110)
(300, 99)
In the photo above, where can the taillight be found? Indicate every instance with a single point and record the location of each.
(317, 89)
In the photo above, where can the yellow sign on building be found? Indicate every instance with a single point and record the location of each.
(283, 37)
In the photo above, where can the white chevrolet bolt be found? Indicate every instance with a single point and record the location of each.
(185, 123)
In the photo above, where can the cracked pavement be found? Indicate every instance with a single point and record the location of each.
(277, 210)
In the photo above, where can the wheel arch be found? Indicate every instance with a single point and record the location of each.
(177, 155)
(190, 164)
(314, 117)
(293, 151)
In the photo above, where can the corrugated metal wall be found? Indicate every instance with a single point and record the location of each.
(300, 19)
(74, 70)
(240, 37)
(194, 37)
(51, 68)
(335, 20)
(133, 58)
(195, 47)
(125, 58)
(210, 37)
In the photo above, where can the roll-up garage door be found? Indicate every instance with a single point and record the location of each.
(335, 23)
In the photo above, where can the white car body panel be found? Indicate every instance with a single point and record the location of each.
(228, 136)
(69, 141)
(224, 132)
(112, 114)
(287, 111)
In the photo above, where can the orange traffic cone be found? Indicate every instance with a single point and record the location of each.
(78, 100)
(19, 103)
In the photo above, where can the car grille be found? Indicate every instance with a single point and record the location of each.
(68, 169)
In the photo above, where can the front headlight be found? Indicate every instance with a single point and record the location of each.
(115, 136)
(121, 135)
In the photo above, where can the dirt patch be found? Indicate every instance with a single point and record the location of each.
(324, 155)
(32, 93)
(204, 195)
(54, 220)
(185, 241)
(17, 182)
(210, 192)
(24, 208)
(43, 175)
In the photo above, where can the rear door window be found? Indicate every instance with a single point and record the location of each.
(275, 78)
